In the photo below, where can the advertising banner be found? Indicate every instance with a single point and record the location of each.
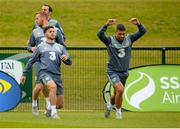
(13, 65)
(153, 88)
(10, 93)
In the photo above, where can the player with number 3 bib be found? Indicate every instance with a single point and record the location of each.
(50, 55)
(119, 50)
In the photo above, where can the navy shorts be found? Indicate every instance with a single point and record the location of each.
(45, 77)
(114, 77)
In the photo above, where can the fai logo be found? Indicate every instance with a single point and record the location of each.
(10, 93)
(140, 95)
(4, 86)
(13, 68)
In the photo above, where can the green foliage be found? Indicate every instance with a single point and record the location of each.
(81, 20)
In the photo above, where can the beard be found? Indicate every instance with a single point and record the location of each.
(51, 37)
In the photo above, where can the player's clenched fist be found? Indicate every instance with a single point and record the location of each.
(134, 21)
(23, 79)
(111, 22)
(64, 58)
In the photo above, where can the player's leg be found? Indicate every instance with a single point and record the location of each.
(36, 91)
(113, 78)
(113, 99)
(117, 80)
(60, 94)
(119, 88)
(53, 99)
(59, 104)
(47, 80)
(47, 100)
(60, 101)
(38, 87)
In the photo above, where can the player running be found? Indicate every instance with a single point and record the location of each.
(49, 54)
(48, 10)
(36, 38)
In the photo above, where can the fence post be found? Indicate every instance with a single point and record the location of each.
(163, 55)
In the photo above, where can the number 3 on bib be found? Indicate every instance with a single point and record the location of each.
(121, 53)
(52, 56)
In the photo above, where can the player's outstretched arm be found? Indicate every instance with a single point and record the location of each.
(135, 21)
(101, 33)
(140, 32)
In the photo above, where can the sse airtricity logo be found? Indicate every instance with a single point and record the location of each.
(141, 95)
(10, 93)
(153, 88)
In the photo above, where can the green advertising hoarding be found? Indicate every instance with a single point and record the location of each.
(13, 64)
(153, 88)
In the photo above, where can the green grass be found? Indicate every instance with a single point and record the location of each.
(91, 119)
(81, 20)
(84, 80)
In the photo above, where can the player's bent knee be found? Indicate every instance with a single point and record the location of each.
(119, 89)
(52, 88)
(51, 84)
(38, 87)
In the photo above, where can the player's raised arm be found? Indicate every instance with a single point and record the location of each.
(101, 33)
(111, 22)
(141, 29)
(135, 21)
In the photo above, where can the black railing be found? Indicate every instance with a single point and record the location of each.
(85, 79)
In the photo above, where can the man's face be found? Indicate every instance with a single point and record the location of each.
(120, 34)
(39, 20)
(46, 10)
(50, 34)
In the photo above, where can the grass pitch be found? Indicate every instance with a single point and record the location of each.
(91, 120)
(81, 20)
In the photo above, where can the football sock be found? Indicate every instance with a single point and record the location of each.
(34, 103)
(118, 110)
(109, 105)
(53, 109)
(48, 104)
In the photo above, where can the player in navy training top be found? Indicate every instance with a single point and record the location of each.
(50, 55)
(119, 50)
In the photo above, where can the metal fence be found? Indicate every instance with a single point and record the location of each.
(84, 80)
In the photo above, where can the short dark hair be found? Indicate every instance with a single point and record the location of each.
(120, 27)
(50, 8)
(47, 28)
